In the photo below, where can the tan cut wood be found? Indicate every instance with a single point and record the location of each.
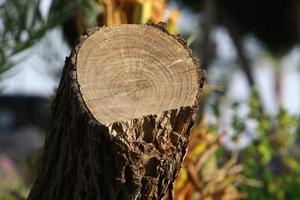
(129, 71)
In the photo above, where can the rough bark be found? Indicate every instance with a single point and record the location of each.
(87, 160)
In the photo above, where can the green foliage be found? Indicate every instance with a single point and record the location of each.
(270, 157)
(32, 164)
(16, 192)
(22, 24)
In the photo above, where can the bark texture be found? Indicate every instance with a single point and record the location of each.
(86, 160)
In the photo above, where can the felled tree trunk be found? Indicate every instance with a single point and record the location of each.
(121, 117)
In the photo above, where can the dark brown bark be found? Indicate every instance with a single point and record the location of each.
(245, 63)
(208, 46)
(85, 160)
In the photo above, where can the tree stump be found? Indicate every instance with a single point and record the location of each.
(121, 118)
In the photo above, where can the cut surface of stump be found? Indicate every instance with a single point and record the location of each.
(127, 72)
(121, 117)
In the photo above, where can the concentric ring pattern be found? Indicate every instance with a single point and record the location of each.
(129, 71)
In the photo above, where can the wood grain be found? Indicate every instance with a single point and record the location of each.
(129, 71)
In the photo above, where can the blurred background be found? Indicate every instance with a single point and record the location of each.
(245, 144)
